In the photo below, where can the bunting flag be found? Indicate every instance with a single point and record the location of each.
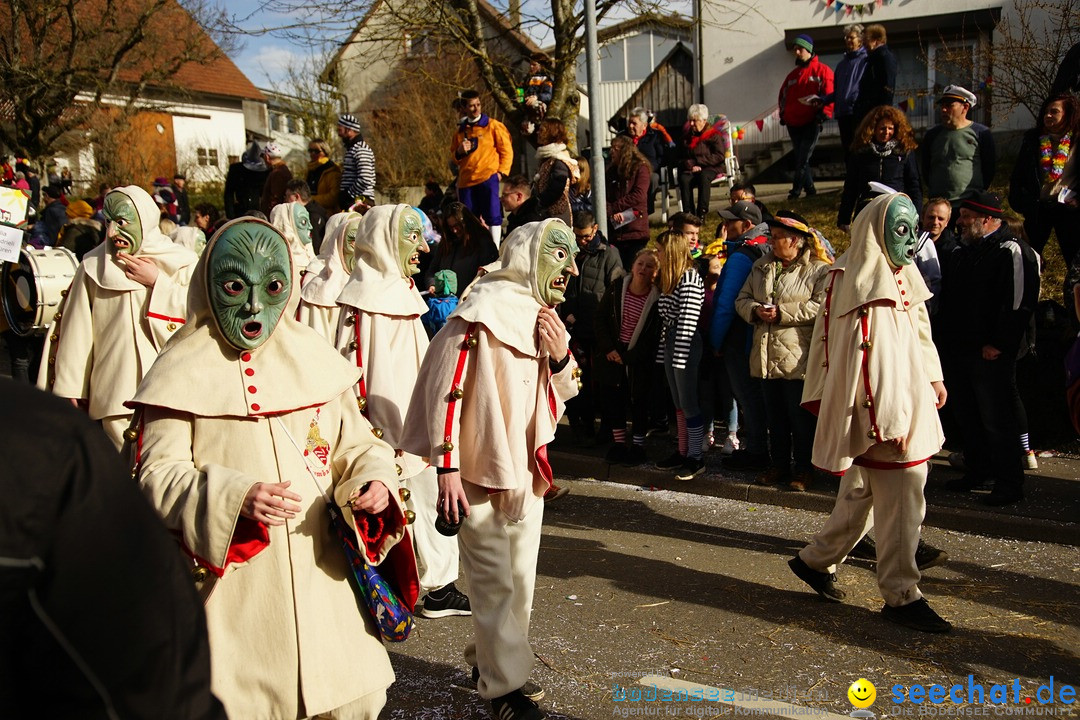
(849, 8)
(760, 124)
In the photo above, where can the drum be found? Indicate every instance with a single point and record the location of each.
(33, 288)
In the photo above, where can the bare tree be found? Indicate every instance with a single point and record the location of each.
(463, 22)
(1028, 45)
(67, 66)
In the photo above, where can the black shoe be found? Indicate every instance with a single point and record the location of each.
(445, 602)
(811, 192)
(672, 461)
(867, 549)
(635, 455)
(967, 483)
(928, 556)
(691, 468)
(917, 615)
(531, 690)
(746, 460)
(515, 706)
(999, 497)
(793, 195)
(617, 453)
(822, 583)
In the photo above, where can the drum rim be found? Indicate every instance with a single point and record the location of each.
(32, 255)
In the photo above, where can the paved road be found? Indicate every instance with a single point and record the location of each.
(635, 582)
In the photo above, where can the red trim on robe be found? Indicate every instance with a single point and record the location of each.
(459, 371)
(361, 385)
(158, 316)
(250, 537)
(399, 565)
(864, 322)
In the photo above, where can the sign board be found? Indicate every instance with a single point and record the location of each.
(13, 204)
(10, 243)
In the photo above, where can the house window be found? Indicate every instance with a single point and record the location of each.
(639, 61)
(275, 122)
(206, 157)
(612, 67)
(291, 124)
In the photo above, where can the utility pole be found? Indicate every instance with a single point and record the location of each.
(596, 129)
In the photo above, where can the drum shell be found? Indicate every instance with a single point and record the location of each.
(32, 289)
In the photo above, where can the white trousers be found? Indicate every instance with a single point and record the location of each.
(499, 557)
(896, 499)
(436, 554)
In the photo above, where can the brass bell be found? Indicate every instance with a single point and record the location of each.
(824, 363)
(54, 337)
(410, 517)
(864, 311)
(458, 393)
(361, 403)
(377, 432)
(871, 434)
(350, 320)
(471, 342)
(404, 494)
(200, 574)
(352, 345)
(52, 360)
(58, 315)
(824, 338)
(866, 345)
(398, 467)
(579, 385)
(448, 446)
(576, 373)
(131, 434)
(825, 313)
(867, 402)
(64, 292)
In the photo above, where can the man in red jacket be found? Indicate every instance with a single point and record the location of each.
(801, 110)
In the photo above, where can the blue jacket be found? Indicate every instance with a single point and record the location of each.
(846, 78)
(732, 278)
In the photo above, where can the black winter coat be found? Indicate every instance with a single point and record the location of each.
(607, 326)
(599, 265)
(897, 170)
(878, 83)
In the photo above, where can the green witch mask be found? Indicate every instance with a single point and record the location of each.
(348, 244)
(410, 241)
(302, 222)
(125, 230)
(249, 279)
(901, 239)
(555, 263)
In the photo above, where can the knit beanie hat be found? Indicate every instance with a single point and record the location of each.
(79, 209)
(349, 122)
(805, 42)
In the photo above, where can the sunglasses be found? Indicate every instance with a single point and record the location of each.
(313, 150)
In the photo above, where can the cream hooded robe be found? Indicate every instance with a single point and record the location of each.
(287, 637)
(379, 328)
(872, 358)
(496, 433)
(111, 329)
(281, 217)
(325, 277)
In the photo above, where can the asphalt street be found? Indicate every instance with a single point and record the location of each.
(637, 582)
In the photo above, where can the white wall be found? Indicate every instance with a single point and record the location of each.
(745, 59)
(219, 128)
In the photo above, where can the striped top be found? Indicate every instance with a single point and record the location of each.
(679, 313)
(358, 170)
(631, 313)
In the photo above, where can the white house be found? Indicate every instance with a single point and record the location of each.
(747, 52)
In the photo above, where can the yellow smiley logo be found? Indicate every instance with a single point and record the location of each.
(862, 693)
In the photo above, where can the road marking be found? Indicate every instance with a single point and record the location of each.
(733, 698)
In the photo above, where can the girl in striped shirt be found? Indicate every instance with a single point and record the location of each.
(682, 294)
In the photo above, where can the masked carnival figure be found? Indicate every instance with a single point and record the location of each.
(294, 222)
(490, 392)
(875, 382)
(238, 470)
(127, 299)
(327, 275)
